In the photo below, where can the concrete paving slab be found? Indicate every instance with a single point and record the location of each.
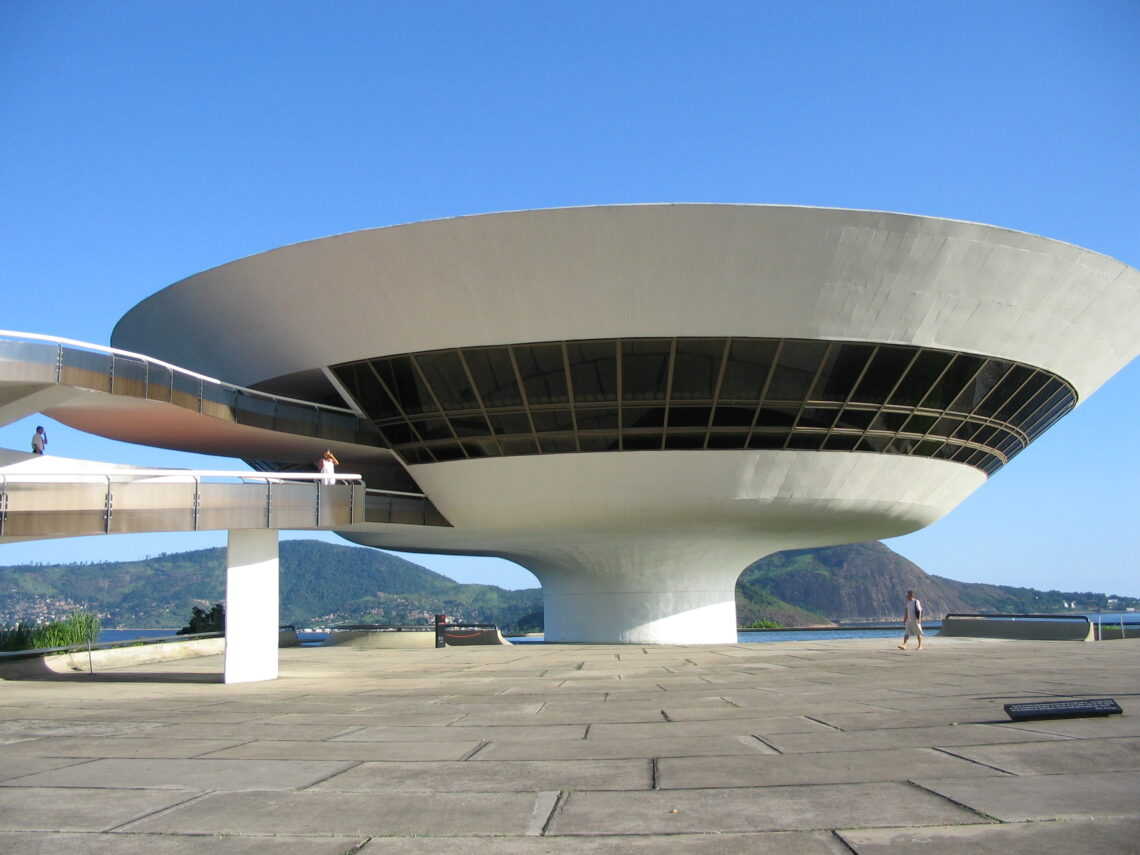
(798, 808)
(368, 814)
(902, 737)
(715, 727)
(621, 749)
(1023, 838)
(248, 731)
(493, 776)
(768, 843)
(421, 751)
(121, 747)
(830, 768)
(189, 774)
(1053, 758)
(732, 696)
(424, 717)
(41, 843)
(19, 730)
(1035, 797)
(42, 809)
(1083, 728)
(14, 766)
(488, 733)
(910, 718)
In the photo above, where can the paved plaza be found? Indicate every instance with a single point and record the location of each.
(795, 747)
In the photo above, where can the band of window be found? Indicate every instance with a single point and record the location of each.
(707, 393)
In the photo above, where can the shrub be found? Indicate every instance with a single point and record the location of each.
(79, 628)
(201, 620)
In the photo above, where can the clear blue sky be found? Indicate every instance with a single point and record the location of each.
(142, 142)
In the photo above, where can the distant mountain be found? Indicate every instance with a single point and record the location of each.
(321, 583)
(328, 584)
(868, 581)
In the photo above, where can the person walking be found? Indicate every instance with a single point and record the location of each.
(912, 620)
(39, 440)
(328, 466)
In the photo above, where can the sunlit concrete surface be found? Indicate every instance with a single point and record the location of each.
(804, 747)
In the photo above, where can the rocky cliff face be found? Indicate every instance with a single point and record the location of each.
(860, 581)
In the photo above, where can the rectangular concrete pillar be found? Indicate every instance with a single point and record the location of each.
(252, 606)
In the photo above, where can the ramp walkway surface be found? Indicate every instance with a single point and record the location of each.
(798, 747)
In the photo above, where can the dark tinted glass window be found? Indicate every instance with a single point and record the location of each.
(474, 425)
(494, 376)
(642, 417)
(603, 419)
(746, 371)
(729, 416)
(432, 428)
(509, 423)
(593, 370)
(689, 416)
(883, 374)
(696, 369)
(1013, 380)
(841, 370)
(920, 377)
(402, 378)
(954, 379)
(551, 421)
(543, 373)
(795, 370)
(642, 441)
(645, 369)
(448, 379)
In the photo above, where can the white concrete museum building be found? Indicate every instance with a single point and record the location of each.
(636, 402)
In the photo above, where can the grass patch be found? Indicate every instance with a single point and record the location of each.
(79, 628)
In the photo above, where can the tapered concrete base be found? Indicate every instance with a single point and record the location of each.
(252, 606)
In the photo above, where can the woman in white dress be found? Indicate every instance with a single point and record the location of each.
(328, 466)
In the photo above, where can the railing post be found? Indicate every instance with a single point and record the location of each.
(317, 487)
(268, 503)
(108, 506)
(196, 509)
(440, 623)
(3, 502)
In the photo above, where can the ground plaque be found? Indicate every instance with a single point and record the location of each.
(1075, 708)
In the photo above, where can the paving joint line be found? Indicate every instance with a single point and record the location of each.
(482, 744)
(950, 753)
(159, 811)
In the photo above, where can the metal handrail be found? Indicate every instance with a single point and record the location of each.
(114, 351)
(160, 381)
(175, 476)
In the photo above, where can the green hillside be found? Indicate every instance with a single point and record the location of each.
(326, 584)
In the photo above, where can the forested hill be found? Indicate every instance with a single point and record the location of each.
(325, 584)
(320, 583)
(866, 581)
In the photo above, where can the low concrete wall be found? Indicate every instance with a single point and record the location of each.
(460, 637)
(115, 657)
(393, 639)
(1025, 627)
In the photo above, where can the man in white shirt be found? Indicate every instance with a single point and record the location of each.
(912, 620)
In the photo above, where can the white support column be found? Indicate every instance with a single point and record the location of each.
(252, 606)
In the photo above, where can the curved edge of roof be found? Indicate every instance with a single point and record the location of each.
(512, 212)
